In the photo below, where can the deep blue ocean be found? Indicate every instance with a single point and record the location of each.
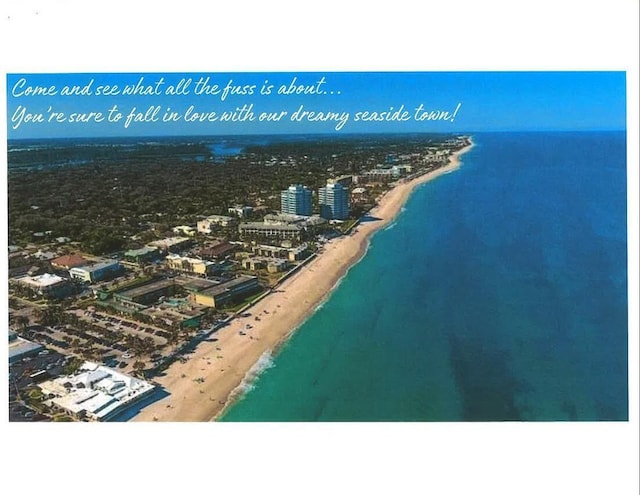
(499, 293)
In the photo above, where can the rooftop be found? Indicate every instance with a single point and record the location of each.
(214, 218)
(141, 252)
(146, 288)
(69, 261)
(193, 261)
(194, 283)
(283, 218)
(169, 242)
(98, 266)
(217, 250)
(96, 390)
(19, 347)
(219, 289)
(265, 226)
(44, 280)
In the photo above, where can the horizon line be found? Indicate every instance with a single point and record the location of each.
(319, 134)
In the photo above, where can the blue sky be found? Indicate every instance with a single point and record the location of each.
(486, 101)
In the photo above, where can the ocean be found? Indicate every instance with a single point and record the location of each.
(498, 294)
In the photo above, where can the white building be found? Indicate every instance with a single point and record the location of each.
(205, 226)
(97, 272)
(47, 285)
(296, 200)
(190, 265)
(171, 243)
(184, 230)
(334, 201)
(96, 392)
(240, 211)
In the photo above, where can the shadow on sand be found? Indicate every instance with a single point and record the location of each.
(158, 394)
(369, 218)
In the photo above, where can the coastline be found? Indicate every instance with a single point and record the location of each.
(218, 372)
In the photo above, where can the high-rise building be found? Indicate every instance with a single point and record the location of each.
(334, 201)
(296, 200)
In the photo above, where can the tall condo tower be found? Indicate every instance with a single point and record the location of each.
(296, 200)
(334, 202)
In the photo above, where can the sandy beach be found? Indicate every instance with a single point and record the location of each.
(217, 371)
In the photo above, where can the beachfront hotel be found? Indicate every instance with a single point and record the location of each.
(96, 392)
(334, 201)
(296, 200)
(266, 230)
(232, 290)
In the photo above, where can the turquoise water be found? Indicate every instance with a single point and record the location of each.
(499, 293)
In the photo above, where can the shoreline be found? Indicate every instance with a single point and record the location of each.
(218, 372)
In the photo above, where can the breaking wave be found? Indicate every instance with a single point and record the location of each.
(265, 362)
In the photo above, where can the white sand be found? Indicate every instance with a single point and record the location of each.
(223, 370)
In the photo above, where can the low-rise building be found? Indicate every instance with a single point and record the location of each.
(305, 222)
(260, 229)
(254, 263)
(96, 392)
(195, 284)
(267, 251)
(183, 315)
(315, 223)
(184, 230)
(207, 226)
(190, 265)
(401, 170)
(277, 265)
(226, 292)
(98, 272)
(240, 211)
(298, 253)
(145, 294)
(358, 191)
(377, 175)
(171, 244)
(145, 254)
(217, 251)
(292, 253)
(284, 219)
(48, 285)
(19, 347)
(44, 255)
(68, 261)
(345, 180)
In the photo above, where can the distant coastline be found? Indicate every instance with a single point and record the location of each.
(225, 367)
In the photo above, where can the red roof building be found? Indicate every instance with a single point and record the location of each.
(68, 261)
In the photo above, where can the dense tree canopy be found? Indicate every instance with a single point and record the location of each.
(103, 195)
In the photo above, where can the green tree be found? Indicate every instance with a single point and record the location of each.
(139, 367)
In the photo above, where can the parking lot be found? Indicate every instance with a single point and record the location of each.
(23, 376)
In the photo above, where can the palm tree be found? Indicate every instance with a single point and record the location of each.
(139, 368)
(22, 322)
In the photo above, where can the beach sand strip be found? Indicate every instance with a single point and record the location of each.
(217, 372)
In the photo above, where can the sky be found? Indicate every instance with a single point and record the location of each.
(157, 104)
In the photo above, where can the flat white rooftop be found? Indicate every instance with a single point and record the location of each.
(97, 391)
(168, 242)
(44, 280)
